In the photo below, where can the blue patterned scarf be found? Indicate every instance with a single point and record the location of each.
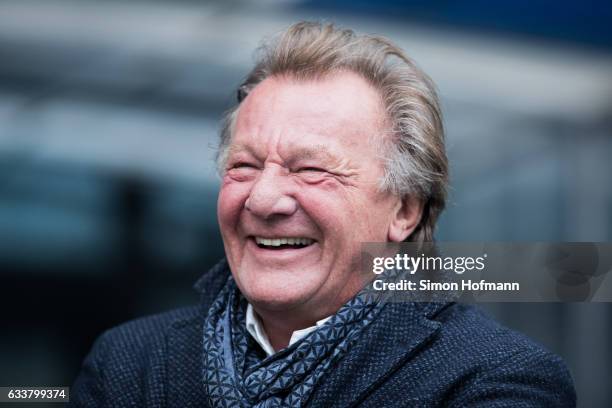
(237, 373)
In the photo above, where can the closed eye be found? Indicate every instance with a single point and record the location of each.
(310, 169)
(242, 171)
(241, 165)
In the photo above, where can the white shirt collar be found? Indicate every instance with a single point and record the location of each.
(255, 329)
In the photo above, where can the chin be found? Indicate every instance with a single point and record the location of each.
(276, 294)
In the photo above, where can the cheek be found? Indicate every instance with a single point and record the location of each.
(351, 218)
(334, 211)
(230, 203)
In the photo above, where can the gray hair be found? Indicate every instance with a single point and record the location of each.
(414, 155)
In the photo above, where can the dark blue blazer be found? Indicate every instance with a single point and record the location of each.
(412, 355)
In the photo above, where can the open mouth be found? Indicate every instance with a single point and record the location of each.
(283, 243)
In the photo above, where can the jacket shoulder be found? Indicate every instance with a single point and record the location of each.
(127, 364)
(467, 329)
(486, 361)
(146, 331)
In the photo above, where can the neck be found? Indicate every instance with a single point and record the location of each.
(279, 326)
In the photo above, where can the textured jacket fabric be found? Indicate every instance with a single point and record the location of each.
(412, 355)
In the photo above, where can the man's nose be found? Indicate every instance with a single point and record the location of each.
(270, 196)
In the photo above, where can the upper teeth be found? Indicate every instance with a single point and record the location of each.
(283, 241)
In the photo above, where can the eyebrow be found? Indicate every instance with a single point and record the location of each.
(239, 148)
(314, 152)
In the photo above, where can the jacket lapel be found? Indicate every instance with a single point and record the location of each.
(184, 382)
(184, 364)
(397, 334)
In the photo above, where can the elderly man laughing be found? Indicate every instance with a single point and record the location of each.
(336, 140)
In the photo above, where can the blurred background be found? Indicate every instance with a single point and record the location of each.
(109, 114)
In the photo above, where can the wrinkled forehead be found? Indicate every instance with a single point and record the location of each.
(342, 107)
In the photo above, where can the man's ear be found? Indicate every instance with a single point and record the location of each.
(406, 217)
